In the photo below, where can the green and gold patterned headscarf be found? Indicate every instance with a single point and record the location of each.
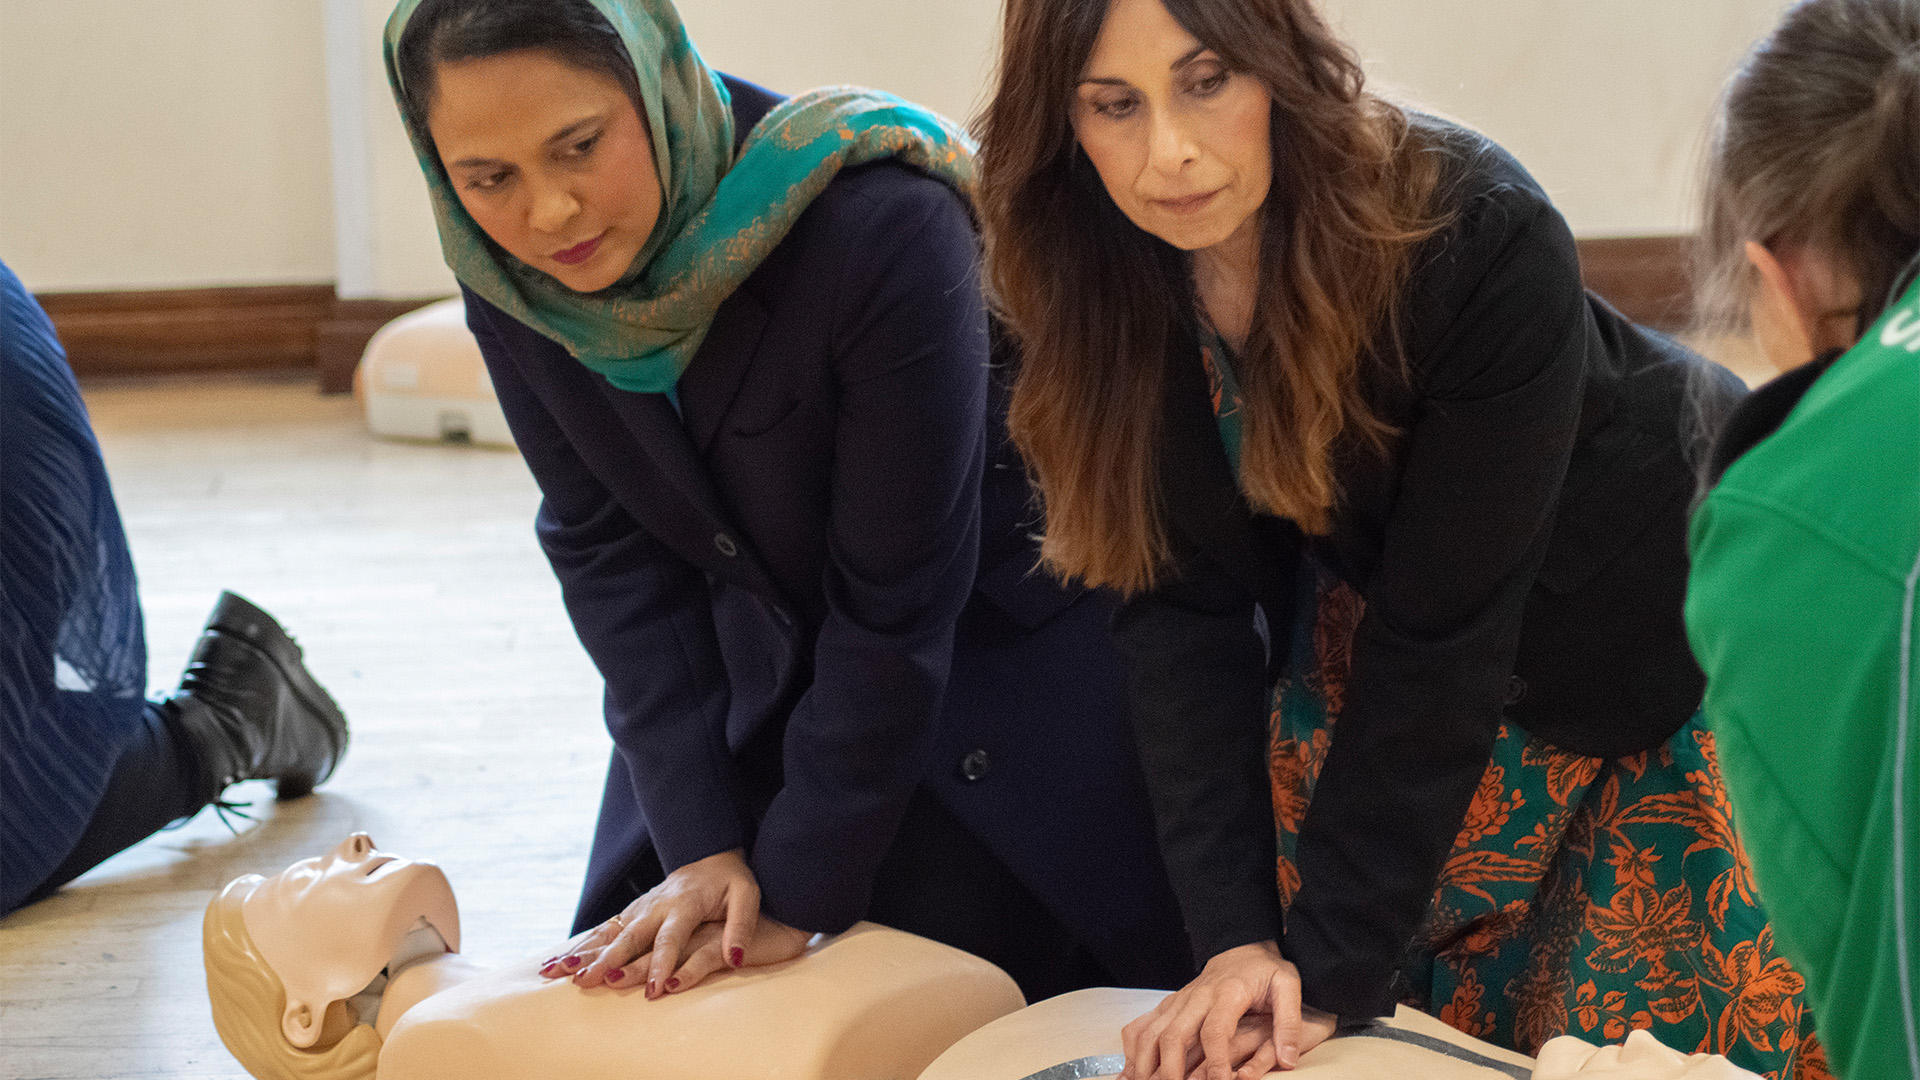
(720, 216)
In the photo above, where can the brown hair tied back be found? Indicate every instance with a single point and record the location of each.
(1093, 298)
(1818, 143)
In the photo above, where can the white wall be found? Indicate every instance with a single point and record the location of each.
(163, 143)
(387, 245)
(936, 52)
(166, 143)
(1607, 102)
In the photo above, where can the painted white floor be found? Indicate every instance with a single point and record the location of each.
(410, 575)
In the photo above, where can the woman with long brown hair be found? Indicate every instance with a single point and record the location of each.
(1399, 509)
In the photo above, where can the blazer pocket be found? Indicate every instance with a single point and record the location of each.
(760, 423)
(1026, 594)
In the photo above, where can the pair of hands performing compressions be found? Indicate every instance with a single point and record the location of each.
(1239, 1020)
(703, 918)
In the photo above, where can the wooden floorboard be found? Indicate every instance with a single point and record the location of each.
(410, 575)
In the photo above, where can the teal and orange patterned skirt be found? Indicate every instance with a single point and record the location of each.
(1584, 896)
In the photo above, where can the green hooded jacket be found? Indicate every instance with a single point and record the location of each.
(1801, 611)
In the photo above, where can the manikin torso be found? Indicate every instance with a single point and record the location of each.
(361, 936)
(342, 933)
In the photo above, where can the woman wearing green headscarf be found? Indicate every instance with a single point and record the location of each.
(741, 342)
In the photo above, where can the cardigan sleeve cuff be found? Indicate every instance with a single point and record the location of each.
(1354, 989)
(1228, 923)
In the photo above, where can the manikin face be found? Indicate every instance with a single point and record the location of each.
(552, 161)
(1181, 142)
(1641, 1057)
(328, 925)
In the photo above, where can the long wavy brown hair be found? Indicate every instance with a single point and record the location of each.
(1094, 299)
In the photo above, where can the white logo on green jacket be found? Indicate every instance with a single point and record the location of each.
(1903, 329)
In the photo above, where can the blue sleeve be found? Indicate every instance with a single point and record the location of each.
(910, 361)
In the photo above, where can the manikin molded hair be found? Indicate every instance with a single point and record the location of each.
(248, 997)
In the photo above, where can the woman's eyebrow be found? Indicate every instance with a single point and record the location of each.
(1175, 66)
(573, 129)
(1190, 57)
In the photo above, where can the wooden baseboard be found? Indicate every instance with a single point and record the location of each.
(1647, 277)
(196, 331)
(307, 327)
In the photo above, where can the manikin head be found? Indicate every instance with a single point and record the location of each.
(284, 953)
(1641, 1057)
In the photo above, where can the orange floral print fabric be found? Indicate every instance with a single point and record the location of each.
(1583, 896)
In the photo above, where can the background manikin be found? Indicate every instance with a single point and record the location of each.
(346, 966)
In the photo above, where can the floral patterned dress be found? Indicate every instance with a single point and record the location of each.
(1583, 896)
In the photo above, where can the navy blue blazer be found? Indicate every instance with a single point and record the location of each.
(810, 591)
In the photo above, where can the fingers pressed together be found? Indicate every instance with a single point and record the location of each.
(1239, 1020)
(701, 919)
(705, 917)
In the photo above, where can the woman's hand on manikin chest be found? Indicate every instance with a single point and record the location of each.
(1225, 281)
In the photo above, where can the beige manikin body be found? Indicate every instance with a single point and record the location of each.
(1086, 1025)
(292, 957)
(869, 1004)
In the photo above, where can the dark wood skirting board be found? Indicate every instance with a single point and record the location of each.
(1647, 277)
(294, 327)
(196, 331)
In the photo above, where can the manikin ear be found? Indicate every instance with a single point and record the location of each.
(1780, 325)
(301, 1023)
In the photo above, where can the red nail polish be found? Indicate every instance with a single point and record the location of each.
(737, 956)
(673, 984)
(652, 990)
(571, 962)
(616, 975)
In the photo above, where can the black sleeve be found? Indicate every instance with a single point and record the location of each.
(1483, 464)
(1197, 697)
(644, 616)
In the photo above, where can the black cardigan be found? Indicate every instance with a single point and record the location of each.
(1521, 550)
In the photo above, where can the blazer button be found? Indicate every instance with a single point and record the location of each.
(726, 546)
(1516, 690)
(974, 766)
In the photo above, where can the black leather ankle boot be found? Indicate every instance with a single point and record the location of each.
(250, 708)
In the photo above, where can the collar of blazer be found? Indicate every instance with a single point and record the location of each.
(712, 380)
(674, 441)
(1199, 490)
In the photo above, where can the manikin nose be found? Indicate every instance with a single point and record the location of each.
(357, 846)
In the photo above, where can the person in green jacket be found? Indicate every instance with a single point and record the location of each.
(1806, 550)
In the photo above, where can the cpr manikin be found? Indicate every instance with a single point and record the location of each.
(1641, 1057)
(1078, 1035)
(347, 966)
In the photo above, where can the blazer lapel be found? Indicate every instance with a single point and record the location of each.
(713, 379)
(706, 533)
